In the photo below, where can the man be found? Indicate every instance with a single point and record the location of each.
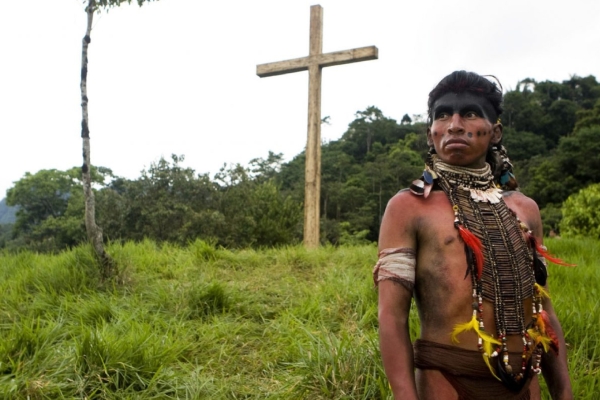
(471, 255)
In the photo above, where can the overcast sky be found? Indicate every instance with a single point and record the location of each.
(179, 76)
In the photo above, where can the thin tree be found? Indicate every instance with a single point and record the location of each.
(94, 232)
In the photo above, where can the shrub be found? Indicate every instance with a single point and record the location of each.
(581, 213)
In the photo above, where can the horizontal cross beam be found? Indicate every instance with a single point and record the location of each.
(322, 60)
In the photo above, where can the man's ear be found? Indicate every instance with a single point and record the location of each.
(429, 139)
(496, 133)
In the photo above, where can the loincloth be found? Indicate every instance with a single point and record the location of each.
(466, 371)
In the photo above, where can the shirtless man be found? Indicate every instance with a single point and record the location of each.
(427, 251)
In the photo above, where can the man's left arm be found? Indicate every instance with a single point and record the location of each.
(554, 366)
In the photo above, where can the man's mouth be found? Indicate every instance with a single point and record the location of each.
(456, 143)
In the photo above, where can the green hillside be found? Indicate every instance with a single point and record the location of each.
(197, 322)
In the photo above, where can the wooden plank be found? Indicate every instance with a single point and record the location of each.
(312, 167)
(282, 67)
(315, 46)
(348, 56)
(323, 60)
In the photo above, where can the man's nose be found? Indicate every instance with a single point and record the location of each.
(456, 124)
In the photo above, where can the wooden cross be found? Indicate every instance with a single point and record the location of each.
(315, 61)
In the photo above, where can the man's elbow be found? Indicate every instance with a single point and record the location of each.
(392, 317)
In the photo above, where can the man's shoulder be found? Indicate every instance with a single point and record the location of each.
(525, 207)
(405, 201)
(404, 198)
(519, 199)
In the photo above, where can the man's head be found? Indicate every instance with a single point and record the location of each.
(464, 127)
(459, 82)
(463, 119)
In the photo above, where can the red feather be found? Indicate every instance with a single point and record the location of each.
(550, 330)
(475, 245)
(546, 255)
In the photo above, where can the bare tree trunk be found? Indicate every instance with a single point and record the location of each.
(94, 232)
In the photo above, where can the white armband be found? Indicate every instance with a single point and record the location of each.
(396, 264)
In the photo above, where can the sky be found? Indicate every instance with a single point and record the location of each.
(179, 76)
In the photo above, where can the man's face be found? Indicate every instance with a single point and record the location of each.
(462, 131)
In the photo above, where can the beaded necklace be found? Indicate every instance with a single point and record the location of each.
(504, 262)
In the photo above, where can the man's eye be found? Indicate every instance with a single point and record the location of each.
(443, 115)
(471, 114)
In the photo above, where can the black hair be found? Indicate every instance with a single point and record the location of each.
(463, 81)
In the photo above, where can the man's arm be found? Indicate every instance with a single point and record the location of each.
(554, 367)
(394, 339)
(394, 301)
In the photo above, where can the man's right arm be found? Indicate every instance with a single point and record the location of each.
(394, 339)
(397, 231)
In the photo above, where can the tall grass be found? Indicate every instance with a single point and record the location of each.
(198, 322)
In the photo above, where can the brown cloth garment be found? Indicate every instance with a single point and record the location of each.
(466, 371)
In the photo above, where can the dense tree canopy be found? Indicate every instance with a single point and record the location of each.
(551, 130)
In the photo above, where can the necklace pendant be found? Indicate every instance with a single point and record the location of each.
(491, 195)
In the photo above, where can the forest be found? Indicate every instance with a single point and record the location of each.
(551, 131)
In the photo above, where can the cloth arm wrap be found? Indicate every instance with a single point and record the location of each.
(396, 264)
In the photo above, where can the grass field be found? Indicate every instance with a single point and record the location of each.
(204, 323)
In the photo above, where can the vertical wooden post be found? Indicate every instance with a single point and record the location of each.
(312, 184)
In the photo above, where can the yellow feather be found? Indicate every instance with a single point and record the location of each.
(543, 292)
(487, 361)
(541, 325)
(533, 334)
(539, 338)
(487, 338)
(545, 341)
(459, 328)
(488, 349)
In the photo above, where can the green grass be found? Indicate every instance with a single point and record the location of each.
(198, 322)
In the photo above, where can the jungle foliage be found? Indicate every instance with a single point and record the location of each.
(551, 131)
(581, 213)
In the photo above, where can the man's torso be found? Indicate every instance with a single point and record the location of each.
(443, 290)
